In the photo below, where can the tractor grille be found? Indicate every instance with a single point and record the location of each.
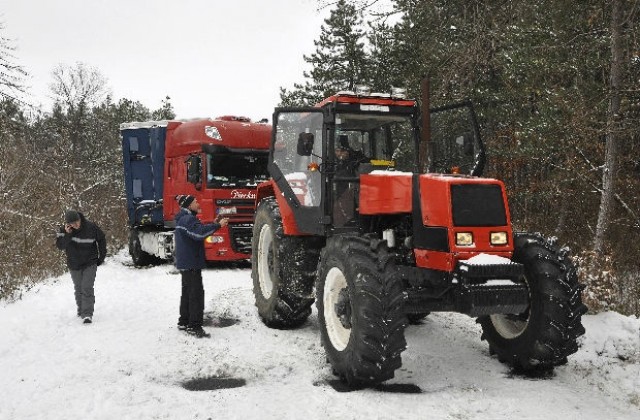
(478, 205)
(490, 271)
(484, 300)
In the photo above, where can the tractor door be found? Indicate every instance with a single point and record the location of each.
(455, 144)
(295, 162)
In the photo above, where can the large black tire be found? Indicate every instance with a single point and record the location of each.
(415, 319)
(283, 269)
(543, 336)
(360, 301)
(139, 257)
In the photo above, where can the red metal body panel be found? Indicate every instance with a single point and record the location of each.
(384, 192)
(289, 225)
(435, 192)
(188, 136)
(288, 220)
(446, 261)
(390, 193)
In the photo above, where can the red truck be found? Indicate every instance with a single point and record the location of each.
(219, 161)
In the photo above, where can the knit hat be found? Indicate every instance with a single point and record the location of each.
(185, 200)
(71, 216)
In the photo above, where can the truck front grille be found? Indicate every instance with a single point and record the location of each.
(240, 236)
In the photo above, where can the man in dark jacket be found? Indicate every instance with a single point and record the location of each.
(189, 237)
(86, 248)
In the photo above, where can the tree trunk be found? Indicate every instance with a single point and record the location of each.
(613, 123)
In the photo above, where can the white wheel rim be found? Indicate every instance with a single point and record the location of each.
(264, 250)
(508, 327)
(338, 334)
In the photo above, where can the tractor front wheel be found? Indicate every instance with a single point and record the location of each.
(360, 304)
(546, 333)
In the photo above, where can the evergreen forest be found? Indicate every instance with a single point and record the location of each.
(556, 85)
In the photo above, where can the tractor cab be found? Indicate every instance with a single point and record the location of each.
(319, 154)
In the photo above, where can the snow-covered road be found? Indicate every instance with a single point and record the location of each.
(133, 363)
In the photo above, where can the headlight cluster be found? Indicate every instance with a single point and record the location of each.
(498, 238)
(495, 238)
(214, 239)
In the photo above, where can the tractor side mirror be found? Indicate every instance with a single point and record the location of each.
(305, 144)
(194, 166)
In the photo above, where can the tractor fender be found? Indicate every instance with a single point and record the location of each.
(270, 189)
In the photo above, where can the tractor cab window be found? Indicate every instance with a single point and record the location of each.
(384, 140)
(236, 170)
(298, 144)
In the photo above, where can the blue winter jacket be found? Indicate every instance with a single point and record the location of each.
(190, 234)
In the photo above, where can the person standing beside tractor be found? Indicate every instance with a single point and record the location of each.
(189, 237)
(86, 248)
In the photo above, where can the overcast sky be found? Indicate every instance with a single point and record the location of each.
(212, 57)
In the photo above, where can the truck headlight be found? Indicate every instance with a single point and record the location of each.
(214, 239)
(464, 238)
(498, 238)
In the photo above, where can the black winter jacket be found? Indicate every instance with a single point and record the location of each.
(84, 247)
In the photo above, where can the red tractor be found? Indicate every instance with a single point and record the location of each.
(350, 221)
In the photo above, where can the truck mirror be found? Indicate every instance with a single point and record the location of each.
(194, 164)
(305, 144)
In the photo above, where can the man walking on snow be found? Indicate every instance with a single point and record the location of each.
(189, 237)
(86, 248)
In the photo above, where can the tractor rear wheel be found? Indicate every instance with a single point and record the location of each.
(283, 269)
(360, 304)
(543, 336)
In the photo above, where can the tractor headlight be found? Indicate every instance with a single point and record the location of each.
(464, 238)
(498, 238)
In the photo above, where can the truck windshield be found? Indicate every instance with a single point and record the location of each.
(378, 137)
(235, 170)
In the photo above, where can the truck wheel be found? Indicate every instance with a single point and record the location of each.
(283, 269)
(546, 333)
(360, 310)
(139, 257)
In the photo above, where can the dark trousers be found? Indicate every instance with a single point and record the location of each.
(192, 299)
(83, 281)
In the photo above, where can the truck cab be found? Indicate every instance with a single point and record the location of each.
(219, 161)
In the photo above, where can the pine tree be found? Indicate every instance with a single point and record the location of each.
(339, 62)
(11, 74)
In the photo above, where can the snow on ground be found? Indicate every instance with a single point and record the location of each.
(133, 363)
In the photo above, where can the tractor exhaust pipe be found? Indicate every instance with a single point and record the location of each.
(425, 132)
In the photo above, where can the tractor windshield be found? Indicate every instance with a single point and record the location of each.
(378, 138)
(235, 170)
